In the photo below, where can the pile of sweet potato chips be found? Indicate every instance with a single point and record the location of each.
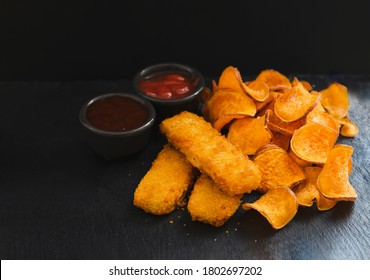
(290, 132)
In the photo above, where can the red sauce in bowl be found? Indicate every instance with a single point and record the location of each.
(168, 85)
(116, 113)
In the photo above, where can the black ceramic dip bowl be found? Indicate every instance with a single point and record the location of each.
(117, 124)
(170, 87)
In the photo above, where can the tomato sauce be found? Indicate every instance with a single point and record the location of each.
(168, 85)
(116, 113)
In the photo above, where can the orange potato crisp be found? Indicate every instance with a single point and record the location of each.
(305, 84)
(348, 128)
(278, 206)
(335, 100)
(257, 89)
(295, 104)
(260, 105)
(313, 142)
(226, 105)
(281, 139)
(301, 162)
(277, 168)
(322, 118)
(274, 80)
(276, 124)
(307, 191)
(249, 134)
(333, 181)
(230, 79)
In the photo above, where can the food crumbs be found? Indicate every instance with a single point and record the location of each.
(227, 231)
(171, 222)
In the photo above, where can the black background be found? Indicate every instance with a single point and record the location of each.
(90, 40)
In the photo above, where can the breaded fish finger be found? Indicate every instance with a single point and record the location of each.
(164, 186)
(208, 204)
(212, 153)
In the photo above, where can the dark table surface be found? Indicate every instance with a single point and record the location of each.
(58, 200)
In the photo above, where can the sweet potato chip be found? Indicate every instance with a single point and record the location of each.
(307, 191)
(277, 168)
(274, 80)
(226, 105)
(280, 139)
(276, 124)
(302, 163)
(333, 181)
(287, 128)
(335, 100)
(323, 203)
(322, 118)
(276, 94)
(305, 84)
(348, 128)
(313, 142)
(249, 134)
(318, 108)
(295, 104)
(257, 89)
(260, 105)
(278, 206)
(230, 79)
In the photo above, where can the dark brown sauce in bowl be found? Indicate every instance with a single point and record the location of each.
(117, 124)
(116, 113)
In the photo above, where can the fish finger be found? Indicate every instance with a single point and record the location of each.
(210, 152)
(164, 186)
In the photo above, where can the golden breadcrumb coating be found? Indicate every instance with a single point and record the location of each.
(210, 152)
(208, 204)
(164, 186)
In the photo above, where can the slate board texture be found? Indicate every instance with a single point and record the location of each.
(58, 200)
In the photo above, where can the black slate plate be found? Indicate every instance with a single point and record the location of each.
(58, 200)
